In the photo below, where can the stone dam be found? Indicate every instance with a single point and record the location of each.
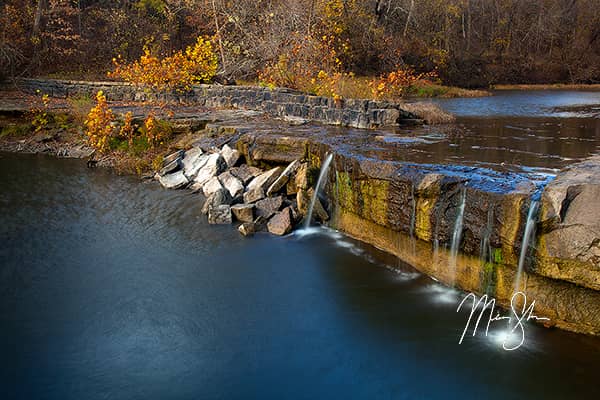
(465, 225)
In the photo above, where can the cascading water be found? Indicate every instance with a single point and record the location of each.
(457, 233)
(527, 236)
(322, 174)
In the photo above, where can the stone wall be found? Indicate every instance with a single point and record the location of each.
(278, 102)
(405, 209)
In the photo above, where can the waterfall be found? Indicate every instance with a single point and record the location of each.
(322, 174)
(527, 236)
(457, 233)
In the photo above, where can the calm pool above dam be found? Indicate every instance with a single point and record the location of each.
(112, 288)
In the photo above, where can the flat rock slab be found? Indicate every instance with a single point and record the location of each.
(175, 180)
(283, 179)
(245, 173)
(257, 187)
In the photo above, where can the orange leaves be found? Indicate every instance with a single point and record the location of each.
(127, 131)
(104, 131)
(198, 63)
(394, 84)
(99, 124)
(155, 131)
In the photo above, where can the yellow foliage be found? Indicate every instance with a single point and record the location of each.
(127, 131)
(155, 131)
(394, 84)
(99, 124)
(198, 63)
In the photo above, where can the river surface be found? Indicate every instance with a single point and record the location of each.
(115, 289)
(516, 131)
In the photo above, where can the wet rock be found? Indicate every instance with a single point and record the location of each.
(243, 212)
(219, 215)
(283, 179)
(176, 180)
(269, 206)
(212, 186)
(245, 173)
(231, 183)
(281, 223)
(231, 156)
(178, 155)
(218, 198)
(257, 187)
(170, 167)
(247, 228)
(215, 164)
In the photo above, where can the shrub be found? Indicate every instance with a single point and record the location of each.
(198, 63)
(395, 84)
(41, 115)
(99, 124)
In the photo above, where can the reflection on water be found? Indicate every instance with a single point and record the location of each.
(110, 288)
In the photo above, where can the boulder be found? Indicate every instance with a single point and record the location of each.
(211, 186)
(176, 180)
(247, 228)
(243, 212)
(220, 197)
(170, 167)
(283, 179)
(192, 161)
(245, 173)
(230, 155)
(258, 186)
(269, 206)
(219, 214)
(214, 165)
(281, 223)
(231, 183)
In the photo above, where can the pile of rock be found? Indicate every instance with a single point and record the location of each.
(274, 200)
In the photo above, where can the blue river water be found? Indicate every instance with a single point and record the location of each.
(115, 289)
